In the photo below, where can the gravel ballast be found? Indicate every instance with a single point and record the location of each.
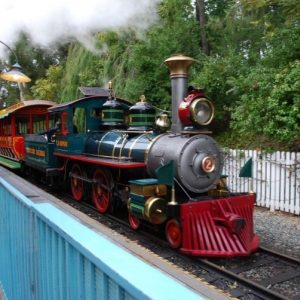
(278, 230)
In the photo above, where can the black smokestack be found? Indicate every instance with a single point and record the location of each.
(179, 65)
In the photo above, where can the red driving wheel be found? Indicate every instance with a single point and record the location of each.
(77, 187)
(100, 190)
(173, 233)
(134, 221)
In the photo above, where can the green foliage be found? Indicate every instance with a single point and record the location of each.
(9, 93)
(135, 64)
(47, 88)
(284, 45)
(272, 108)
(217, 8)
(79, 120)
(235, 32)
(251, 75)
(177, 33)
(117, 58)
(287, 8)
(35, 61)
(223, 80)
(81, 71)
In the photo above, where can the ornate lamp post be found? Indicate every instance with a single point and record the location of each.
(14, 74)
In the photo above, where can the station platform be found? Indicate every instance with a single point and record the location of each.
(131, 266)
(1, 295)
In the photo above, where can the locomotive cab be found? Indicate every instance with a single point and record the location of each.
(85, 117)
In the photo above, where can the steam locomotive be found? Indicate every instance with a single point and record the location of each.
(120, 154)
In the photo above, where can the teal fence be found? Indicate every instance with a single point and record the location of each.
(47, 254)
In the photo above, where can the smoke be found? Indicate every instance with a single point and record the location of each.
(52, 22)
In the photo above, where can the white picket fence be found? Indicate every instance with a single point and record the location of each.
(276, 177)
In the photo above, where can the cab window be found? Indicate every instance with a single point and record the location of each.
(64, 122)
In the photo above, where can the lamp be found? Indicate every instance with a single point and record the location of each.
(14, 74)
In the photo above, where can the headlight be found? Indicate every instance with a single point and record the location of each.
(201, 111)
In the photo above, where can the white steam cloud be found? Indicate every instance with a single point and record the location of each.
(51, 22)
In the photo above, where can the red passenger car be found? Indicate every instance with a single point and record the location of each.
(15, 121)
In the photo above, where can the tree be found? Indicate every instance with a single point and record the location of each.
(201, 18)
(49, 87)
(269, 93)
(82, 69)
(245, 48)
(134, 63)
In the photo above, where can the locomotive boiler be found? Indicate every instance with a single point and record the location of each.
(125, 155)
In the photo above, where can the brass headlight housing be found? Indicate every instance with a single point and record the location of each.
(201, 112)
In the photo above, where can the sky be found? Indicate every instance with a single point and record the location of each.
(51, 22)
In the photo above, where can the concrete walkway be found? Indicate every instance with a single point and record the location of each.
(1, 295)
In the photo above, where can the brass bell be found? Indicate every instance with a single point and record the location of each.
(163, 120)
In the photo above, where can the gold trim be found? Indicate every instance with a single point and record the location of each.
(106, 156)
(100, 142)
(131, 148)
(125, 136)
(192, 110)
(150, 145)
(179, 64)
(133, 131)
(195, 132)
(152, 208)
(115, 144)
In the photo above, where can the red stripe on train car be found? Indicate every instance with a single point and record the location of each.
(104, 162)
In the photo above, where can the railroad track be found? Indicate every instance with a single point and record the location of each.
(263, 275)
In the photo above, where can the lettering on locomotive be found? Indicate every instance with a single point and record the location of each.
(30, 151)
(62, 143)
(40, 153)
(37, 152)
